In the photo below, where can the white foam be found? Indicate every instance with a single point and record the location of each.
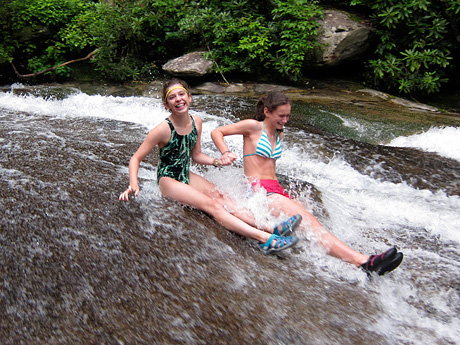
(140, 110)
(357, 202)
(444, 141)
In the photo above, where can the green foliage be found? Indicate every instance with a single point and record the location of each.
(297, 31)
(416, 44)
(31, 32)
(45, 12)
(234, 38)
(245, 39)
(268, 38)
(132, 36)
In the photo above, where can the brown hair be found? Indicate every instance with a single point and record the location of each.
(271, 101)
(170, 83)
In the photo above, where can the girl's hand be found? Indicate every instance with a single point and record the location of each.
(228, 158)
(125, 195)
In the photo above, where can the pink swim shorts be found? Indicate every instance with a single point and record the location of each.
(271, 186)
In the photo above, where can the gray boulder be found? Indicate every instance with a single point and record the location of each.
(342, 40)
(189, 65)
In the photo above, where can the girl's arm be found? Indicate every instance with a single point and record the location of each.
(159, 135)
(244, 127)
(198, 156)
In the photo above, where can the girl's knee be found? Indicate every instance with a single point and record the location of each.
(215, 208)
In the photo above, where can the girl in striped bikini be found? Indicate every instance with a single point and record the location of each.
(179, 140)
(262, 147)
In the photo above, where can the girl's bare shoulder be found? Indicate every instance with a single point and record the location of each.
(196, 118)
(160, 133)
(251, 125)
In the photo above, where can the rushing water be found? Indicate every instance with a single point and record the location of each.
(80, 267)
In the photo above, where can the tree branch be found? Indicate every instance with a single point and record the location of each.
(52, 68)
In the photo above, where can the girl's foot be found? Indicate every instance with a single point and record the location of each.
(383, 263)
(277, 243)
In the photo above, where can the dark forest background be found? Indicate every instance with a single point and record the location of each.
(416, 52)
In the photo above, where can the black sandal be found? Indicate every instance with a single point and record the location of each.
(383, 263)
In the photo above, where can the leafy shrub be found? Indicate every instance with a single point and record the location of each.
(416, 46)
(31, 31)
(131, 36)
(243, 36)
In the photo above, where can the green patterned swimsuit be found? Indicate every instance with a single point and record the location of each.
(175, 155)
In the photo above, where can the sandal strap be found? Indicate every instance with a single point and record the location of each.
(267, 245)
(280, 242)
(277, 243)
(288, 225)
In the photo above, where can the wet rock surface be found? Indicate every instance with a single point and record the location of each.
(80, 267)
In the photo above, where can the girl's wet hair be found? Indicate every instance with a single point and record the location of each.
(271, 101)
(170, 83)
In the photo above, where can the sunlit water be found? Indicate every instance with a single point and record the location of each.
(78, 266)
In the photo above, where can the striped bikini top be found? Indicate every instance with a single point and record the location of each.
(264, 147)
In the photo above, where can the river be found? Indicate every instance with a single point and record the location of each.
(79, 267)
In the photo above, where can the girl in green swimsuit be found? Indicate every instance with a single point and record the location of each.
(179, 140)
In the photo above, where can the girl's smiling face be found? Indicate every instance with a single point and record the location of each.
(178, 99)
(278, 117)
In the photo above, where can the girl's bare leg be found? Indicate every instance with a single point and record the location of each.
(194, 195)
(331, 244)
(226, 201)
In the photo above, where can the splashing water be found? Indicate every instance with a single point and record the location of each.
(444, 141)
(77, 264)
